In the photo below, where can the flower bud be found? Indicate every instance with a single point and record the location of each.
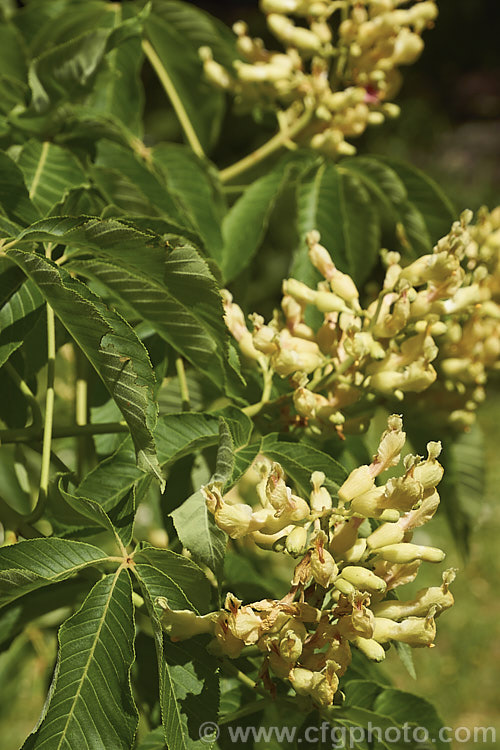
(301, 680)
(357, 483)
(415, 631)
(296, 541)
(356, 552)
(424, 600)
(319, 256)
(430, 472)
(320, 499)
(324, 569)
(344, 586)
(370, 504)
(391, 444)
(388, 533)
(406, 552)
(296, 36)
(363, 579)
(370, 648)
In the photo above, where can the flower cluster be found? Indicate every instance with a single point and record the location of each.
(434, 323)
(353, 548)
(340, 64)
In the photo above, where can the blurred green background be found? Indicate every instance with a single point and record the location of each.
(449, 127)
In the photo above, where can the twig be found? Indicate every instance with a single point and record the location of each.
(174, 97)
(273, 144)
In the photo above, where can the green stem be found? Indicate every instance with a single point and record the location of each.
(244, 679)
(275, 143)
(174, 97)
(49, 417)
(36, 412)
(35, 435)
(81, 409)
(253, 409)
(332, 376)
(181, 374)
(380, 302)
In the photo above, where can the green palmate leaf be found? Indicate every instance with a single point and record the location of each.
(49, 171)
(299, 460)
(336, 203)
(188, 180)
(109, 343)
(173, 576)
(187, 678)
(17, 317)
(64, 21)
(225, 455)
(182, 304)
(426, 197)
(176, 30)
(244, 225)
(14, 197)
(146, 183)
(91, 703)
(28, 565)
(379, 178)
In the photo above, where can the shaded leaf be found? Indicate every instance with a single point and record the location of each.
(299, 460)
(188, 683)
(176, 435)
(14, 197)
(188, 180)
(81, 511)
(336, 203)
(142, 179)
(245, 223)
(17, 317)
(405, 707)
(426, 197)
(176, 30)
